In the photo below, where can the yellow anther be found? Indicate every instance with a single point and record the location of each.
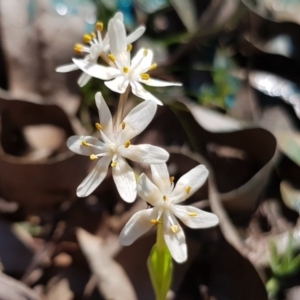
(188, 189)
(78, 48)
(93, 157)
(114, 164)
(155, 222)
(145, 76)
(152, 67)
(111, 58)
(99, 26)
(174, 228)
(129, 47)
(165, 197)
(84, 143)
(87, 38)
(192, 214)
(93, 35)
(172, 178)
(123, 125)
(125, 70)
(127, 144)
(98, 126)
(145, 52)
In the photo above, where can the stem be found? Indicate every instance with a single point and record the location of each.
(121, 105)
(160, 246)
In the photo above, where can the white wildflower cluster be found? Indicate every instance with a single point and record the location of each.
(114, 145)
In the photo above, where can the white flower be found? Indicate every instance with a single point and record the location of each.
(115, 146)
(127, 72)
(164, 199)
(97, 46)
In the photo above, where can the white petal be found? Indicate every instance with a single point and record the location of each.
(145, 153)
(148, 191)
(104, 116)
(140, 62)
(117, 85)
(74, 143)
(161, 177)
(202, 219)
(125, 180)
(192, 181)
(66, 68)
(118, 16)
(159, 83)
(138, 224)
(117, 36)
(95, 177)
(136, 34)
(139, 91)
(95, 70)
(137, 120)
(175, 241)
(83, 79)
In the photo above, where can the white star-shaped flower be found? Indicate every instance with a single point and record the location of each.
(97, 45)
(164, 199)
(115, 147)
(127, 72)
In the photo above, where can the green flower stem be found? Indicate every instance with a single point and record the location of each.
(121, 106)
(160, 266)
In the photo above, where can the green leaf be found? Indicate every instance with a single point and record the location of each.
(160, 268)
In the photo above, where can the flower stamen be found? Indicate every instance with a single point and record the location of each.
(129, 47)
(192, 214)
(174, 228)
(93, 35)
(114, 164)
(145, 52)
(98, 126)
(99, 26)
(125, 70)
(153, 66)
(155, 222)
(93, 157)
(127, 144)
(188, 189)
(123, 125)
(111, 58)
(87, 38)
(145, 76)
(84, 143)
(172, 178)
(165, 197)
(78, 48)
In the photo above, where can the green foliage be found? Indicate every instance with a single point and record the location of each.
(160, 266)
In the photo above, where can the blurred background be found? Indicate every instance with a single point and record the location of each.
(237, 112)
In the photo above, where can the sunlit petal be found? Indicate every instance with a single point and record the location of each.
(66, 68)
(139, 91)
(74, 143)
(189, 183)
(159, 83)
(137, 120)
(124, 178)
(95, 177)
(136, 34)
(95, 70)
(145, 153)
(104, 116)
(161, 177)
(118, 85)
(148, 191)
(117, 36)
(83, 79)
(137, 226)
(194, 217)
(174, 240)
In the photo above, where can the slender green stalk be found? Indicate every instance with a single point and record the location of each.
(121, 106)
(160, 265)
